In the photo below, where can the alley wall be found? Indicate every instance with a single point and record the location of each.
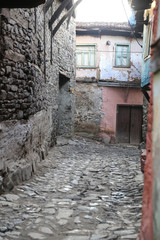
(31, 63)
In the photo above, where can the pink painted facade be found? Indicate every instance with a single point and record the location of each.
(111, 98)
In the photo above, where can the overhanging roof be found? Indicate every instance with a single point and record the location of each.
(20, 3)
(70, 5)
(105, 28)
(141, 4)
(121, 84)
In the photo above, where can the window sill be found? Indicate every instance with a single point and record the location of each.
(146, 58)
(86, 67)
(122, 66)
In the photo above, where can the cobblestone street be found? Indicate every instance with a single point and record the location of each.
(84, 191)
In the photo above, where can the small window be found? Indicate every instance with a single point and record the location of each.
(148, 40)
(122, 56)
(86, 56)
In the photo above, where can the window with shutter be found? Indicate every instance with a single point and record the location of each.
(147, 40)
(122, 55)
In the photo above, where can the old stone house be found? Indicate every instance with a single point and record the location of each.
(108, 95)
(37, 75)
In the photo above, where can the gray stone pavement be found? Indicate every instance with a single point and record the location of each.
(84, 191)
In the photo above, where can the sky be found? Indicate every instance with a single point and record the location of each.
(102, 11)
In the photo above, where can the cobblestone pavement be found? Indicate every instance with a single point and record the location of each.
(84, 191)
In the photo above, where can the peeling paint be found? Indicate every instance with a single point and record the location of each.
(156, 154)
(112, 97)
(105, 69)
(145, 72)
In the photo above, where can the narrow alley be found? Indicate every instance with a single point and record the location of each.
(84, 190)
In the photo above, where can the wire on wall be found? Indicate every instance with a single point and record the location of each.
(130, 25)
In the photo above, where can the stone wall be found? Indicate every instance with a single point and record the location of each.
(88, 109)
(21, 78)
(147, 208)
(145, 120)
(96, 109)
(30, 68)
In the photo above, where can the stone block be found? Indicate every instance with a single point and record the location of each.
(5, 12)
(10, 96)
(16, 176)
(16, 57)
(26, 172)
(106, 138)
(2, 164)
(7, 183)
(20, 115)
(34, 166)
(8, 70)
(3, 95)
(1, 188)
(14, 88)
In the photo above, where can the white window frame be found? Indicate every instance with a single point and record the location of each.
(81, 52)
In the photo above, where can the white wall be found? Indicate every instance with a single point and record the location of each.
(105, 69)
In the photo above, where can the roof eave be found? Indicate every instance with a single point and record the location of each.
(20, 3)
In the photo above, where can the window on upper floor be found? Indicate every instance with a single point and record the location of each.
(86, 56)
(122, 55)
(147, 39)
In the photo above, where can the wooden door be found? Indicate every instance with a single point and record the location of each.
(129, 124)
(123, 124)
(136, 125)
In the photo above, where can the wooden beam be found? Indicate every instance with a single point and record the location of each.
(58, 12)
(47, 5)
(69, 19)
(119, 84)
(65, 17)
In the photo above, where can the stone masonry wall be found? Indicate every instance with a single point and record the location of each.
(145, 120)
(30, 65)
(88, 109)
(146, 232)
(21, 81)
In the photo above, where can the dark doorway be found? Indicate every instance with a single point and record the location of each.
(64, 107)
(129, 124)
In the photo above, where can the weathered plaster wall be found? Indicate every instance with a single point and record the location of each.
(150, 208)
(106, 59)
(29, 97)
(156, 130)
(145, 72)
(88, 108)
(112, 97)
(156, 154)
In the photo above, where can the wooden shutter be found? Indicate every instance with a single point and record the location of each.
(122, 55)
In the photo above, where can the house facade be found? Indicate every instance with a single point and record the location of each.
(108, 95)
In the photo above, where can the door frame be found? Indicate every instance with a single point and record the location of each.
(127, 105)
